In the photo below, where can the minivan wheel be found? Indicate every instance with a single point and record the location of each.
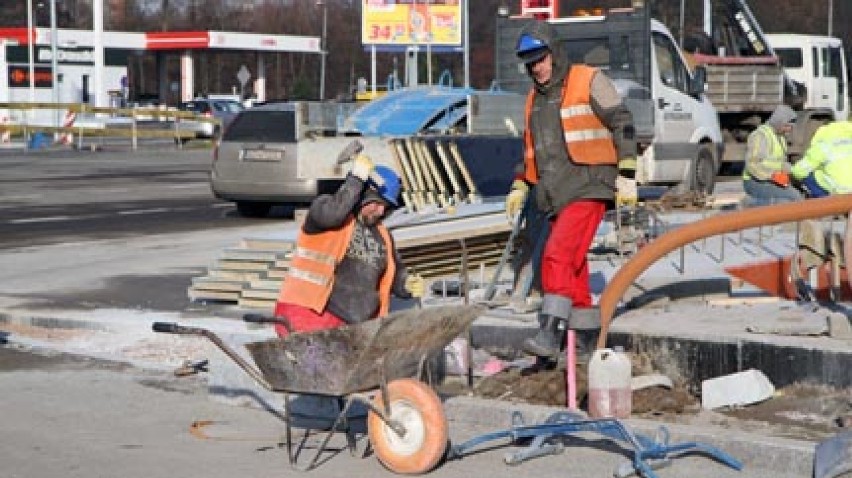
(253, 209)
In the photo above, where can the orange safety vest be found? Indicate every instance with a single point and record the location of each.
(310, 276)
(587, 139)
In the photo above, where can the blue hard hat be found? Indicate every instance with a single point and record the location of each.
(530, 48)
(389, 190)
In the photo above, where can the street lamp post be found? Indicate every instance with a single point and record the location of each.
(54, 60)
(830, 15)
(30, 48)
(323, 49)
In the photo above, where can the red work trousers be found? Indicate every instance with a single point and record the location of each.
(564, 267)
(304, 319)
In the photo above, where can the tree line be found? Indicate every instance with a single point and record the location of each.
(296, 76)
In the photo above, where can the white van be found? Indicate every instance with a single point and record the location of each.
(818, 63)
(677, 128)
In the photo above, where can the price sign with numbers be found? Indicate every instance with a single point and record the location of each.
(411, 22)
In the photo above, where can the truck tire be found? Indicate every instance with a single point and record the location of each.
(417, 408)
(253, 208)
(703, 177)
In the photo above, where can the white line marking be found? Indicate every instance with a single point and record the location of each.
(143, 211)
(41, 219)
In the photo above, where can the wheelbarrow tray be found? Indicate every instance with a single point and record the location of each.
(359, 357)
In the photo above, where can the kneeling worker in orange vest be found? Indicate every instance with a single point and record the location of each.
(345, 265)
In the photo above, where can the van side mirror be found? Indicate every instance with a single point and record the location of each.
(699, 81)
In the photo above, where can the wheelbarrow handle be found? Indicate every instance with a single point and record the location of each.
(255, 318)
(172, 328)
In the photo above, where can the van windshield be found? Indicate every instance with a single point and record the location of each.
(263, 126)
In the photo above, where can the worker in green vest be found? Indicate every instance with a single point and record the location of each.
(826, 167)
(766, 176)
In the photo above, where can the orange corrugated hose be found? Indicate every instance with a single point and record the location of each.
(723, 223)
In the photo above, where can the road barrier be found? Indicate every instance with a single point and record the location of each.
(20, 124)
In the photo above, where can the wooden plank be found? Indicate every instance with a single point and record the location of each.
(265, 284)
(252, 255)
(269, 244)
(228, 264)
(244, 276)
(260, 294)
(209, 283)
(256, 303)
(275, 273)
(196, 295)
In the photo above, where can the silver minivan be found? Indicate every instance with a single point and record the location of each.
(255, 163)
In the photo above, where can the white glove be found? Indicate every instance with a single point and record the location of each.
(362, 167)
(415, 284)
(625, 191)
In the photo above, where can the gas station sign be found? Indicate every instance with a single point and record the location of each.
(19, 76)
(411, 22)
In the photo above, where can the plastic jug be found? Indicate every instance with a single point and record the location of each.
(610, 394)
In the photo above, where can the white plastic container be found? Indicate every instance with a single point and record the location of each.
(610, 394)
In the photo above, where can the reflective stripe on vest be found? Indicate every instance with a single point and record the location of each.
(587, 139)
(314, 255)
(310, 276)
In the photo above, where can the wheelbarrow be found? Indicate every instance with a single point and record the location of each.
(406, 425)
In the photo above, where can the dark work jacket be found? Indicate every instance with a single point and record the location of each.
(354, 296)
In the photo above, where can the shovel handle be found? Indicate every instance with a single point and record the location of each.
(353, 148)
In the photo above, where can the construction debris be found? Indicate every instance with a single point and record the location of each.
(736, 389)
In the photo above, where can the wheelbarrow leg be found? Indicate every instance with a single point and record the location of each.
(341, 423)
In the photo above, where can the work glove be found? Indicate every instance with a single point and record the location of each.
(415, 284)
(626, 193)
(362, 167)
(780, 178)
(516, 198)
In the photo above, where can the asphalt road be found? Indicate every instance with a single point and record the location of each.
(62, 196)
(83, 229)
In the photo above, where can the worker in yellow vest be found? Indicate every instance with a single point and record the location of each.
(766, 175)
(345, 266)
(826, 167)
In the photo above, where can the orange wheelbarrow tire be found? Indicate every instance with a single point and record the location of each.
(417, 408)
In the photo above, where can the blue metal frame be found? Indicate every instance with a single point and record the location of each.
(648, 453)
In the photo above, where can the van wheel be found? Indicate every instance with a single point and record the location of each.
(253, 209)
(704, 173)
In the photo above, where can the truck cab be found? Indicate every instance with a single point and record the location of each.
(678, 134)
(819, 64)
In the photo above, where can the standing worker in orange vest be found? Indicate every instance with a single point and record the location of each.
(345, 265)
(579, 149)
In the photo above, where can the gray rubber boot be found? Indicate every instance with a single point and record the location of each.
(587, 325)
(550, 339)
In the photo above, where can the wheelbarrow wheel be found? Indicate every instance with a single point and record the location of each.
(418, 409)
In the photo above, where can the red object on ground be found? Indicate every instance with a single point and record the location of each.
(564, 267)
(773, 276)
(304, 320)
